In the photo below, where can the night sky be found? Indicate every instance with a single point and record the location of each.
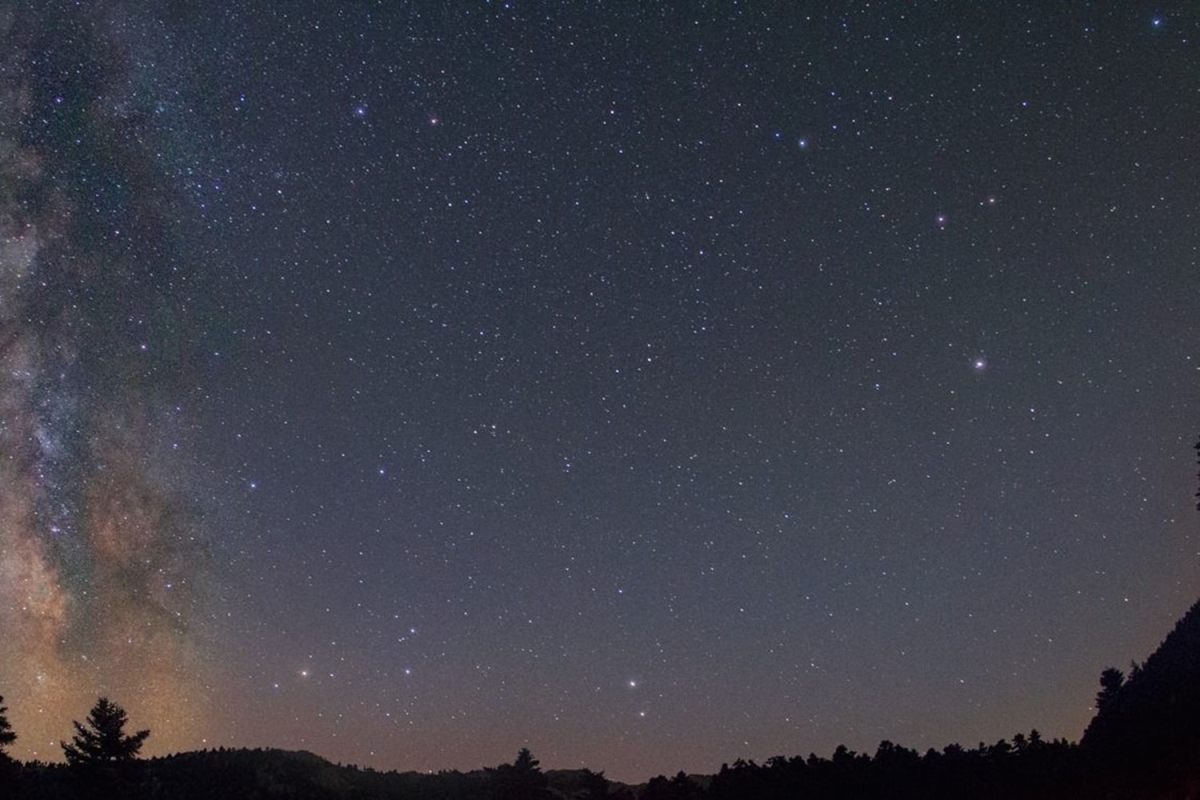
(647, 384)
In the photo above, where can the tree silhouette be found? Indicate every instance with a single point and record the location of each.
(102, 740)
(1111, 682)
(9, 768)
(520, 780)
(595, 785)
(681, 787)
(7, 736)
(585, 785)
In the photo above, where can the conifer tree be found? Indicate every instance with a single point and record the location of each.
(521, 780)
(102, 740)
(1112, 680)
(7, 736)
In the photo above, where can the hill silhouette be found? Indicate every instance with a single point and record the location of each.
(1148, 724)
(267, 774)
(1143, 742)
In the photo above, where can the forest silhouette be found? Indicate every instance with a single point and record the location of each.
(1143, 742)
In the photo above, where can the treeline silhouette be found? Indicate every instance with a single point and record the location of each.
(1144, 743)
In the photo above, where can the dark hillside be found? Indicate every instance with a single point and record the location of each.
(1148, 723)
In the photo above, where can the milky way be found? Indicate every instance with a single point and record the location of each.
(101, 555)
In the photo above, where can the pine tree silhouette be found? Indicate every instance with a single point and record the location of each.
(1112, 680)
(521, 780)
(9, 768)
(7, 736)
(102, 740)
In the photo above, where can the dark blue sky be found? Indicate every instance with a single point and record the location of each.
(650, 385)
